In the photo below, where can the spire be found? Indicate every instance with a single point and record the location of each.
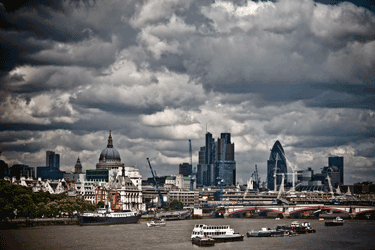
(78, 167)
(110, 143)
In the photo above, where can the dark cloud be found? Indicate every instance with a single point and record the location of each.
(155, 73)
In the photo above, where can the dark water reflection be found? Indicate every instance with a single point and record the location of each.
(176, 235)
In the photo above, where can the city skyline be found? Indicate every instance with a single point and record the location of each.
(158, 73)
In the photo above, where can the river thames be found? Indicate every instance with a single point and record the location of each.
(176, 235)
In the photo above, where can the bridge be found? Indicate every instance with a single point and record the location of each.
(289, 210)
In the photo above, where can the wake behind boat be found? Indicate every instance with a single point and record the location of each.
(105, 216)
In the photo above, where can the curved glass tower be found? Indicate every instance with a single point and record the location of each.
(277, 159)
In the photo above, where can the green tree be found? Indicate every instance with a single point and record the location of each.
(100, 203)
(24, 205)
(176, 205)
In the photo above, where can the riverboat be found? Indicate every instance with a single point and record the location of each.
(156, 223)
(105, 216)
(265, 232)
(336, 222)
(220, 233)
(302, 228)
(203, 241)
(280, 231)
(174, 215)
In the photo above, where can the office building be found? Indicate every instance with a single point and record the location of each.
(52, 169)
(216, 162)
(184, 169)
(337, 161)
(276, 166)
(52, 160)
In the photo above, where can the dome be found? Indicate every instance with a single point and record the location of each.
(110, 153)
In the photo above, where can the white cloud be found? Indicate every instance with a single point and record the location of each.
(156, 10)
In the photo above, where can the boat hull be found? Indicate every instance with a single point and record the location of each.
(333, 224)
(203, 241)
(268, 234)
(93, 220)
(155, 224)
(224, 238)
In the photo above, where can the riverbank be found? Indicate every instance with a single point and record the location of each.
(17, 223)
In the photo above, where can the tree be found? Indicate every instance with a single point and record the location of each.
(176, 205)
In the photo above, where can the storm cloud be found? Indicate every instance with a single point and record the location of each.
(160, 72)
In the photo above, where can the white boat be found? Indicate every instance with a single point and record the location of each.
(336, 222)
(220, 233)
(156, 223)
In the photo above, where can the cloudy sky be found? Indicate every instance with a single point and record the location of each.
(158, 72)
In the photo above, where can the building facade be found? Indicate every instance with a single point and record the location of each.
(52, 160)
(188, 198)
(52, 169)
(184, 169)
(78, 167)
(337, 161)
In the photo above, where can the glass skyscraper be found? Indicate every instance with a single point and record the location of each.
(277, 158)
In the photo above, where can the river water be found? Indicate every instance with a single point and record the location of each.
(176, 235)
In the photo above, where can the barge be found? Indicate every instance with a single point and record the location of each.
(203, 241)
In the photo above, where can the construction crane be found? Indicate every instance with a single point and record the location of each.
(293, 180)
(256, 177)
(162, 203)
(193, 170)
(281, 190)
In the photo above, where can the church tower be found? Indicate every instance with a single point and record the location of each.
(78, 167)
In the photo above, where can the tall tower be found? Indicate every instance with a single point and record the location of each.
(225, 166)
(78, 167)
(216, 161)
(278, 161)
(52, 160)
(337, 161)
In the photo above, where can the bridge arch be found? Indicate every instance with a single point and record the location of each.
(255, 209)
(365, 211)
(302, 209)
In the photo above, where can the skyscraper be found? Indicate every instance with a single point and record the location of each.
(53, 160)
(337, 161)
(277, 160)
(216, 161)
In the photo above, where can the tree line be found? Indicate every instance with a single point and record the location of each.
(21, 202)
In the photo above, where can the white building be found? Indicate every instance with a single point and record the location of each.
(178, 181)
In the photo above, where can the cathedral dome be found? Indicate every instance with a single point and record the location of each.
(110, 153)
